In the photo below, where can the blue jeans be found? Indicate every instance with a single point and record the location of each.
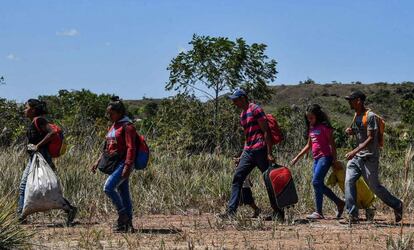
(23, 181)
(117, 189)
(22, 188)
(248, 161)
(320, 169)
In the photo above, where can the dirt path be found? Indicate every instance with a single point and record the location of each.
(206, 231)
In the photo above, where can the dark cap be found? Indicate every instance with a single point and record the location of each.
(356, 94)
(237, 94)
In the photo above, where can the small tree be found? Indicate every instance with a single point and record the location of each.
(307, 81)
(216, 65)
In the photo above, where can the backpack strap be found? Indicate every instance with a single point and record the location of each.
(35, 123)
(123, 133)
(365, 118)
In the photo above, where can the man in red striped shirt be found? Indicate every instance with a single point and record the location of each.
(257, 149)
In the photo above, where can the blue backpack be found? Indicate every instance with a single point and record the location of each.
(142, 153)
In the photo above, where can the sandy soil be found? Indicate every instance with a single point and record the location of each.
(206, 231)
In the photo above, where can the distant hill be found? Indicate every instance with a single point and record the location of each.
(383, 98)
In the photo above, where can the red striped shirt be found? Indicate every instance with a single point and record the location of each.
(249, 120)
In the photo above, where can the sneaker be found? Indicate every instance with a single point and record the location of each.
(71, 216)
(350, 220)
(257, 212)
(227, 215)
(23, 220)
(131, 226)
(122, 224)
(370, 214)
(340, 210)
(398, 212)
(124, 228)
(315, 216)
(121, 228)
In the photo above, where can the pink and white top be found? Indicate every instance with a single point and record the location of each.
(320, 136)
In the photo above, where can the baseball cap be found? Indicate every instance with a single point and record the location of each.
(237, 94)
(356, 94)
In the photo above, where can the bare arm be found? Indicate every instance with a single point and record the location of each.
(349, 131)
(372, 128)
(268, 138)
(361, 146)
(304, 151)
(95, 165)
(48, 137)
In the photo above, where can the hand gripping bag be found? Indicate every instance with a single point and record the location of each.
(43, 190)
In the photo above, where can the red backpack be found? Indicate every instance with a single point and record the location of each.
(57, 146)
(277, 136)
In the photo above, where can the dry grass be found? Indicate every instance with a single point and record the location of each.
(175, 192)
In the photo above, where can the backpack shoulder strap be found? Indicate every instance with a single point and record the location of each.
(36, 125)
(124, 128)
(123, 132)
(36, 121)
(365, 118)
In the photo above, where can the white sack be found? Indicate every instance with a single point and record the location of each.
(43, 190)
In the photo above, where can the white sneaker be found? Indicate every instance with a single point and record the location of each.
(315, 216)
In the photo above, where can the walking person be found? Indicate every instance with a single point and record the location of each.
(246, 197)
(364, 159)
(121, 148)
(257, 151)
(39, 135)
(322, 144)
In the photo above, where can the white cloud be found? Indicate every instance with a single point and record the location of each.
(69, 32)
(12, 57)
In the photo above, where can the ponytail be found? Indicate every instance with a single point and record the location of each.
(117, 105)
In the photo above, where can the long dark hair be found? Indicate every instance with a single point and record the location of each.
(321, 116)
(117, 105)
(38, 106)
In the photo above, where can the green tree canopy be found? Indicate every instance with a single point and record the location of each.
(217, 65)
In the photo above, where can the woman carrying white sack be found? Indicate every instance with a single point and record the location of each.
(39, 135)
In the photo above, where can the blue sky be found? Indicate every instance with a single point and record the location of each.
(124, 46)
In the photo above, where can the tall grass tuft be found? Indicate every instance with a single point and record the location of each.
(12, 236)
(400, 243)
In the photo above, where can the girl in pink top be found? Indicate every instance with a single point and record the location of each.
(322, 143)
